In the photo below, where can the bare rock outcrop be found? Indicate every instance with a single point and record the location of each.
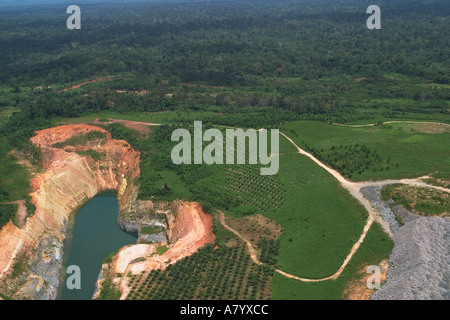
(146, 213)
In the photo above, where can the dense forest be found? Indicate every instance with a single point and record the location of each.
(242, 63)
(301, 57)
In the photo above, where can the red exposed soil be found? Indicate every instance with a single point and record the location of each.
(358, 290)
(69, 179)
(190, 230)
(142, 127)
(83, 83)
(48, 137)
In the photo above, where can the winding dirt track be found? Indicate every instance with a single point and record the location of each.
(352, 188)
(355, 190)
(387, 122)
(252, 250)
(142, 127)
(83, 83)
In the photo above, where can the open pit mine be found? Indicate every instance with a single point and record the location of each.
(70, 178)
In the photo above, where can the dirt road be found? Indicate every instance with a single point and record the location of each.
(142, 127)
(252, 250)
(412, 182)
(387, 122)
(354, 189)
(83, 83)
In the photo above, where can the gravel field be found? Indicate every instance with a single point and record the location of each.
(419, 265)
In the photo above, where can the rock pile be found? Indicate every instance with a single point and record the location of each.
(419, 265)
(373, 194)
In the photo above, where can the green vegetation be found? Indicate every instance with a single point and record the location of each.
(321, 221)
(223, 270)
(6, 113)
(223, 236)
(20, 266)
(157, 180)
(244, 64)
(310, 245)
(269, 250)
(82, 139)
(151, 230)
(161, 250)
(109, 291)
(423, 201)
(91, 153)
(4, 297)
(416, 151)
(376, 247)
(7, 213)
(109, 257)
(257, 193)
(14, 177)
(225, 273)
(247, 74)
(249, 64)
(352, 159)
(399, 220)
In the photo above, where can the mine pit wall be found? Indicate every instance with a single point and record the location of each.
(145, 213)
(179, 222)
(188, 228)
(69, 182)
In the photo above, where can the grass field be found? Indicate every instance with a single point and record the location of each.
(6, 112)
(417, 152)
(320, 219)
(14, 177)
(375, 248)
